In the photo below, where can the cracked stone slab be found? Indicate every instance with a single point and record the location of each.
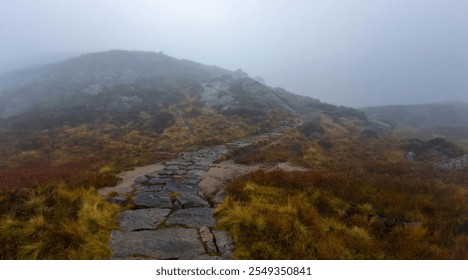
(193, 177)
(192, 217)
(196, 172)
(152, 200)
(156, 181)
(142, 219)
(145, 188)
(177, 243)
(172, 166)
(208, 240)
(191, 201)
(181, 188)
(149, 181)
(141, 180)
(224, 243)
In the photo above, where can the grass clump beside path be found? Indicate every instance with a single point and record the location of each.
(58, 223)
(333, 215)
(55, 212)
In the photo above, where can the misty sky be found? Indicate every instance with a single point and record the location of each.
(348, 52)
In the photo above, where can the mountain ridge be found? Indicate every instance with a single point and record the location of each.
(90, 73)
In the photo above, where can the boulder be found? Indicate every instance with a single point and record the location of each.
(458, 163)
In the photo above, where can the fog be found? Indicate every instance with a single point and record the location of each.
(355, 53)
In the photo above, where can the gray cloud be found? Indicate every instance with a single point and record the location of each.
(355, 53)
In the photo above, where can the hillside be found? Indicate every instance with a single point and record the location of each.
(448, 120)
(330, 183)
(450, 114)
(112, 103)
(89, 74)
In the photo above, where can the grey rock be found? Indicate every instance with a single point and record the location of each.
(180, 172)
(202, 167)
(191, 201)
(193, 177)
(197, 173)
(142, 219)
(156, 181)
(192, 217)
(192, 182)
(152, 200)
(458, 163)
(224, 243)
(219, 197)
(167, 172)
(208, 240)
(175, 243)
(172, 167)
(148, 188)
(410, 156)
(141, 180)
(181, 188)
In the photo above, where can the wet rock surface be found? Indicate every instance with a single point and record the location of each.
(174, 218)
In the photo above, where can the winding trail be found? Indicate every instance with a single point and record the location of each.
(173, 219)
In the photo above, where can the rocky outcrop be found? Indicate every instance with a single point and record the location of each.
(228, 94)
(90, 74)
(458, 163)
(437, 147)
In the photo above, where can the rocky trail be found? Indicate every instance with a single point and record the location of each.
(174, 218)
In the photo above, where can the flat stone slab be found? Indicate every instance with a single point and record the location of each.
(181, 188)
(192, 182)
(145, 188)
(152, 200)
(142, 219)
(156, 181)
(177, 243)
(192, 217)
(191, 201)
(141, 179)
(196, 172)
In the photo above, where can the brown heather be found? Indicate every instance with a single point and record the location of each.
(360, 200)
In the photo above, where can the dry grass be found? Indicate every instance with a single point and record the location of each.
(353, 206)
(58, 222)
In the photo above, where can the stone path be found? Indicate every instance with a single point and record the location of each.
(174, 220)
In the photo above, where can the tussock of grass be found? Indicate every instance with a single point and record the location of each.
(318, 215)
(58, 222)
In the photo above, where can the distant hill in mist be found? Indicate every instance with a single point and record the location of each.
(449, 114)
